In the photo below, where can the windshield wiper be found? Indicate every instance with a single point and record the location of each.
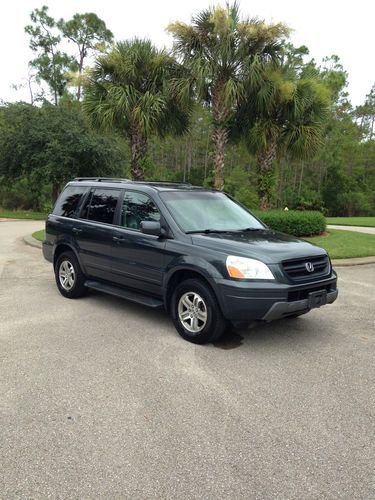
(207, 231)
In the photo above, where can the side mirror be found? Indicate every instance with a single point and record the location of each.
(151, 227)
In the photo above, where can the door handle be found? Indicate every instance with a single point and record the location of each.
(118, 239)
(77, 230)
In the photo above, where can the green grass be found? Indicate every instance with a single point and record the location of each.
(346, 244)
(22, 214)
(39, 235)
(352, 221)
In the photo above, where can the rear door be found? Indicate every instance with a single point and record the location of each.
(94, 231)
(138, 259)
(60, 224)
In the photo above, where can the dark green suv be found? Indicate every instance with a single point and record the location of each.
(194, 251)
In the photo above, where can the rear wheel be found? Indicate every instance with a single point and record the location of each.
(70, 279)
(196, 313)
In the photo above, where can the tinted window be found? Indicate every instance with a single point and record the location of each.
(101, 206)
(68, 201)
(136, 208)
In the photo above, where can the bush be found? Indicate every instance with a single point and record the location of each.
(294, 222)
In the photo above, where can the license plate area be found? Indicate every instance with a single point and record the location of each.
(317, 299)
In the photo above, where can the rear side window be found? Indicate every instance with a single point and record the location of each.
(101, 205)
(68, 201)
(138, 207)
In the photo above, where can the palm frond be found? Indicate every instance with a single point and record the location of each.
(224, 54)
(134, 86)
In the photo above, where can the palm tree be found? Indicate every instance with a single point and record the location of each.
(287, 115)
(131, 90)
(222, 52)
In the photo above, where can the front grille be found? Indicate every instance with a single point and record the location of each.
(300, 269)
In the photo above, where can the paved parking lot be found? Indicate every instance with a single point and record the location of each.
(100, 398)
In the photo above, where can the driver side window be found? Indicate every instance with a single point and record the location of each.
(138, 207)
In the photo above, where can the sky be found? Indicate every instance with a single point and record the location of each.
(344, 28)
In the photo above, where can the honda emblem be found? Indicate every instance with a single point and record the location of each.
(309, 267)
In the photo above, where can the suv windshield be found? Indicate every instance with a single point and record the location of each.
(206, 211)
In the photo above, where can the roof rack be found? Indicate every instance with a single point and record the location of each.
(102, 179)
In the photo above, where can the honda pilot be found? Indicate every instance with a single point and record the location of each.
(194, 251)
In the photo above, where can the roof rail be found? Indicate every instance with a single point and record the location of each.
(102, 179)
(120, 179)
(172, 183)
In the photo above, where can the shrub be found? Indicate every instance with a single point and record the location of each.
(294, 222)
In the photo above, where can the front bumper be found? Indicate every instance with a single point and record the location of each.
(283, 309)
(267, 301)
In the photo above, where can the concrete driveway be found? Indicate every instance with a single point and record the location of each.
(100, 398)
(356, 229)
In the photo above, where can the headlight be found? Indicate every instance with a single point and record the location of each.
(241, 267)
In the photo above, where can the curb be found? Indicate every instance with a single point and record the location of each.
(29, 240)
(359, 261)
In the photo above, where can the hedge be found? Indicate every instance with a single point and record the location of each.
(294, 222)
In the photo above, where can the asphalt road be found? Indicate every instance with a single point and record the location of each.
(100, 398)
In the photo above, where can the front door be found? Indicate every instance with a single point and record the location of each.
(138, 259)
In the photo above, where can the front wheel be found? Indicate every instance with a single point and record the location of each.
(196, 313)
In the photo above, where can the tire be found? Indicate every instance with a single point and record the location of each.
(75, 286)
(194, 297)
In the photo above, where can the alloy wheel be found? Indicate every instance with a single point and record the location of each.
(67, 275)
(192, 312)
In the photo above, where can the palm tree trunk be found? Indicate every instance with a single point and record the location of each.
(264, 171)
(206, 156)
(189, 156)
(220, 139)
(138, 148)
(301, 178)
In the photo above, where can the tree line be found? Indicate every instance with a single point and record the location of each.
(233, 105)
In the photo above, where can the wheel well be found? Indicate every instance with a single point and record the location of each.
(178, 277)
(59, 250)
